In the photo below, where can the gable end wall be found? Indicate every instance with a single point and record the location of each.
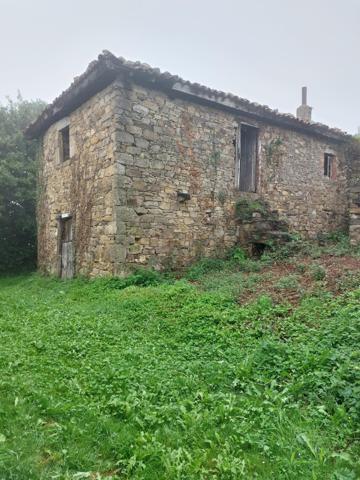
(83, 187)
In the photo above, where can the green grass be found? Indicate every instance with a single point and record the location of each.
(171, 382)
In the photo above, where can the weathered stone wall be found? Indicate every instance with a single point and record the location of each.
(82, 186)
(169, 145)
(293, 182)
(165, 147)
(151, 181)
(354, 187)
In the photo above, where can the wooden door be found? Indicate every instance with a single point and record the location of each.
(66, 249)
(248, 147)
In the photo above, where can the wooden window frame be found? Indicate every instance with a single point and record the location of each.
(329, 159)
(64, 143)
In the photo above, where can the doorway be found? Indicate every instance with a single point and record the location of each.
(66, 247)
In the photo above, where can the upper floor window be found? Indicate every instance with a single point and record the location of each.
(64, 143)
(246, 158)
(329, 159)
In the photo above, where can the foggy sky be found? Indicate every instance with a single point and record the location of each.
(263, 50)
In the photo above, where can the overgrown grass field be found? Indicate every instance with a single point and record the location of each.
(178, 379)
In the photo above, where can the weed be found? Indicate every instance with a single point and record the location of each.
(238, 254)
(317, 272)
(349, 281)
(204, 266)
(146, 377)
(289, 282)
(300, 267)
(141, 277)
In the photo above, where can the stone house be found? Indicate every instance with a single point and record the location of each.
(140, 167)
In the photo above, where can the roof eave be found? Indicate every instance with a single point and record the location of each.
(105, 69)
(86, 86)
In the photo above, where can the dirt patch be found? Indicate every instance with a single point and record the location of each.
(301, 276)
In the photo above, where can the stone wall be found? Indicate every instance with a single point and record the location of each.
(151, 181)
(164, 147)
(169, 145)
(354, 187)
(293, 182)
(82, 186)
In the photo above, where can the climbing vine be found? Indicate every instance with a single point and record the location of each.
(274, 151)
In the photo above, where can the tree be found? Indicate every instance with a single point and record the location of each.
(17, 185)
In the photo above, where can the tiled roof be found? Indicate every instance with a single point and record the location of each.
(103, 71)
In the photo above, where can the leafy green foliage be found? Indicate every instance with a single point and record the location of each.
(17, 185)
(336, 244)
(203, 266)
(141, 277)
(238, 254)
(236, 260)
(170, 382)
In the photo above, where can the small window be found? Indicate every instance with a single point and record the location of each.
(328, 164)
(246, 158)
(64, 143)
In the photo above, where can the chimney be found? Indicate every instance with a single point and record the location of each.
(304, 111)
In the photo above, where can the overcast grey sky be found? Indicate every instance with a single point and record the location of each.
(263, 50)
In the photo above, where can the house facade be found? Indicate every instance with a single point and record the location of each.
(142, 168)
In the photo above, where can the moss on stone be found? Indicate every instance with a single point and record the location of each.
(245, 208)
